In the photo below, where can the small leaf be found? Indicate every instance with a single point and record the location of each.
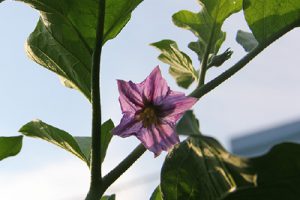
(247, 40)
(39, 129)
(269, 17)
(10, 146)
(112, 197)
(65, 36)
(156, 195)
(206, 25)
(106, 136)
(218, 60)
(188, 124)
(181, 67)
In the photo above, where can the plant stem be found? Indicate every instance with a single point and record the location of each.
(204, 89)
(95, 191)
(114, 174)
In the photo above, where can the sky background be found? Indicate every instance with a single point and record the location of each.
(264, 94)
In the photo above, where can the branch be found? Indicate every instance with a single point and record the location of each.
(201, 91)
(114, 174)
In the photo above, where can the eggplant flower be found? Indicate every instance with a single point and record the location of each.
(150, 111)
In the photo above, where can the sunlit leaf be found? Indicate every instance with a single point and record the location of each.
(206, 25)
(277, 174)
(247, 40)
(10, 146)
(39, 129)
(181, 67)
(266, 18)
(200, 168)
(188, 124)
(64, 38)
(156, 195)
(79, 146)
(112, 197)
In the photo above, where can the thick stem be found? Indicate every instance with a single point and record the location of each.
(201, 91)
(114, 174)
(96, 192)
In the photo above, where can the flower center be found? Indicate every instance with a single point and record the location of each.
(148, 116)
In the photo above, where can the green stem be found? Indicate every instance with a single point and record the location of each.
(201, 91)
(95, 191)
(204, 62)
(114, 174)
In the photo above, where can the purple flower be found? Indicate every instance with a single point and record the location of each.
(150, 111)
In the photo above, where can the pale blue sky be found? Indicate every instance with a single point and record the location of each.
(263, 94)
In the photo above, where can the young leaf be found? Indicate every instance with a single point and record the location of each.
(10, 146)
(247, 40)
(181, 67)
(200, 168)
(64, 38)
(156, 195)
(269, 17)
(188, 124)
(206, 25)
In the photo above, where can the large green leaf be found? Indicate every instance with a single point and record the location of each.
(266, 18)
(64, 38)
(278, 175)
(247, 40)
(197, 169)
(10, 146)
(188, 124)
(79, 146)
(206, 25)
(200, 168)
(181, 67)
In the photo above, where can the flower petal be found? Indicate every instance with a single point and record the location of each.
(175, 104)
(155, 87)
(127, 127)
(130, 96)
(158, 138)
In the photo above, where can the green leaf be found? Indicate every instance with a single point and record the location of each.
(277, 174)
(39, 129)
(112, 197)
(206, 25)
(269, 17)
(181, 67)
(64, 38)
(247, 40)
(218, 60)
(79, 146)
(188, 124)
(10, 146)
(200, 168)
(156, 195)
(106, 136)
